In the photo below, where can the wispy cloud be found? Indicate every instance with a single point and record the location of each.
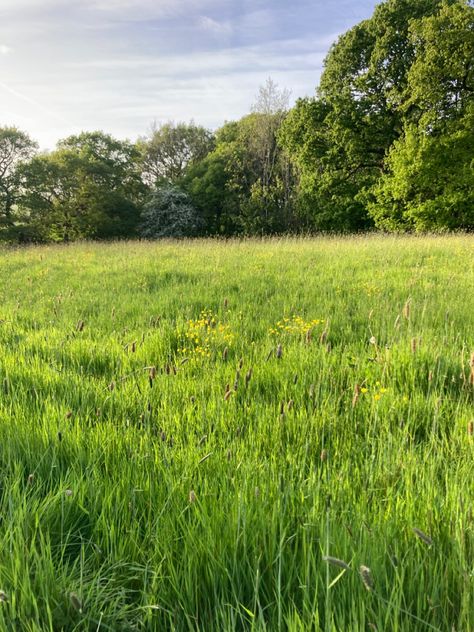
(119, 64)
(214, 26)
(34, 103)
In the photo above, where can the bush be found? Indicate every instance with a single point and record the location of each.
(170, 213)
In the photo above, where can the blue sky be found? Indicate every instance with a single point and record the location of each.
(119, 65)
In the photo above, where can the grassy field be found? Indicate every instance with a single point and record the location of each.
(217, 436)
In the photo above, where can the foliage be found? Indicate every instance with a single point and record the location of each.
(358, 113)
(245, 185)
(171, 148)
(208, 184)
(429, 180)
(169, 213)
(144, 488)
(16, 147)
(89, 187)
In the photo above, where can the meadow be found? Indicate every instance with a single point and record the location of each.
(242, 435)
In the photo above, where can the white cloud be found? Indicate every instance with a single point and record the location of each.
(119, 64)
(208, 24)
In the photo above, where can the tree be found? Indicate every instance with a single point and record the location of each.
(356, 115)
(16, 147)
(169, 213)
(258, 171)
(89, 187)
(440, 85)
(171, 148)
(428, 183)
(55, 204)
(208, 185)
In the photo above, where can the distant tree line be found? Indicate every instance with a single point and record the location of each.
(387, 142)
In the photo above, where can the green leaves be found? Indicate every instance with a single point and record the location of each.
(428, 182)
(387, 137)
(89, 187)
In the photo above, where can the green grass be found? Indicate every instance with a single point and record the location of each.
(163, 499)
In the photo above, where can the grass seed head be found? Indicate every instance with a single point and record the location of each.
(423, 536)
(225, 353)
(76, 603)
(406, 309)
(335, 561)
(366, 577)
(470, 428)
(192, 496)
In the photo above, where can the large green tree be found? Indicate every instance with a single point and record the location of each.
(356, 115)
(89, 187)
(428, 183)
(255, 169)
(16, 148)
(245, 185)
(171, 148)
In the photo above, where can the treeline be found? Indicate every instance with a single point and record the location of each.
(387, 142)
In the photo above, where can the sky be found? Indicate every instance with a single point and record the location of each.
(120, 65)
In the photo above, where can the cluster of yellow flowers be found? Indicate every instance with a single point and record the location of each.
(295, 325)
(376, 392)
(201, 335)
(371, 289)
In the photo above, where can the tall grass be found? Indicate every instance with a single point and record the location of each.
(175, 455)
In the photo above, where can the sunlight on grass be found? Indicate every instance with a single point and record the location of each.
(261, 435)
